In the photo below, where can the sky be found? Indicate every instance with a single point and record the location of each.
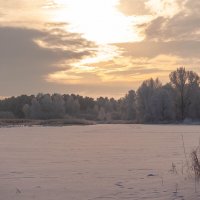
(94, 47)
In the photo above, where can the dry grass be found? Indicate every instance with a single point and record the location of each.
(52, 122)
(196, 163)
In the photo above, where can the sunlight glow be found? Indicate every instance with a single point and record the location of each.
(100, 21)
(97, 20)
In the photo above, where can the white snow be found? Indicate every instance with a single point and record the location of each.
(96, 162)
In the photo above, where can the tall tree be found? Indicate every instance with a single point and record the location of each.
(130, 105)
(145, 94)
(178, 79)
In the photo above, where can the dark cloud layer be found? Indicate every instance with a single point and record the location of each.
(24, 63)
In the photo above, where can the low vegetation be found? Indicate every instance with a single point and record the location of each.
(49, 122)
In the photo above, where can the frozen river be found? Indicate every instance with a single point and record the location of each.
(97, 162)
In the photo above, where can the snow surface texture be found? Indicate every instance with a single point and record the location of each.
(97, 162)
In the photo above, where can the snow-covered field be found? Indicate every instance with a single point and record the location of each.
(97, 162)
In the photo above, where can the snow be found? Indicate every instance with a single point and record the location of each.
(97, 162)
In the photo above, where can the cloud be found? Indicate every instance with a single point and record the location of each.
(185, 25)
(170, 41)
(151, 49)
(180, 27)
(149, 7)
(177, 35)
(24, 62)
(192, 6)
(27, 13)
(46, 58)
(133, 7)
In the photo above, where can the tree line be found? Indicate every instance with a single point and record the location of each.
(153, 102)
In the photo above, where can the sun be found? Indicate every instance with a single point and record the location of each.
(98, 20)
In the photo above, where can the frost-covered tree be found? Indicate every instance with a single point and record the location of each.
(162, 106)
(193, 96)
(45, 106)
(129, 106)
(72, 106)
(152, 103)
(145, 94)
(178, 79)
(186, 85)
(58, 105)
(35, 109)
(27, 111)
(102, 114)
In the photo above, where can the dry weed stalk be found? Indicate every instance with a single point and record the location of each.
(195, 163)
(196, 166)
